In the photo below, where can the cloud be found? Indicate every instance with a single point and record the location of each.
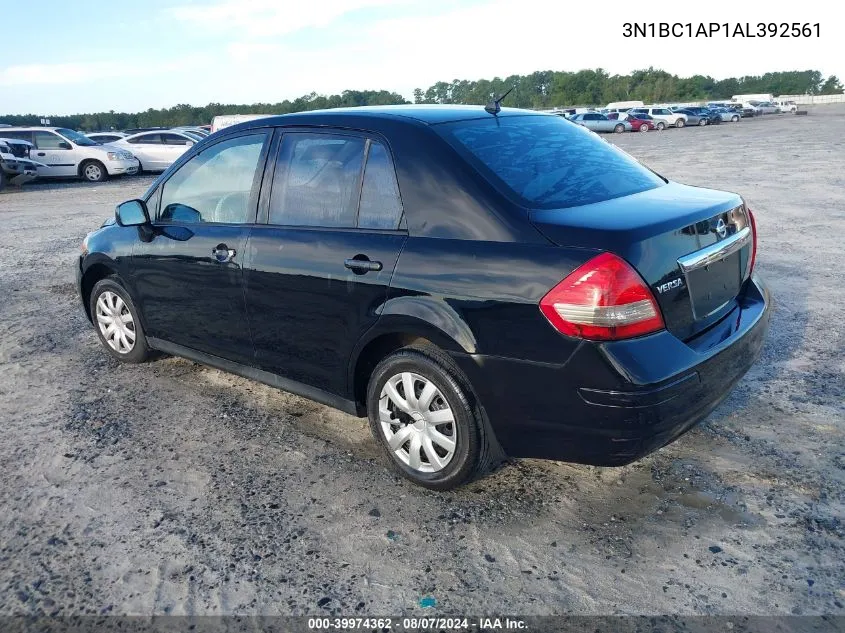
(90, 72)
(267, 18)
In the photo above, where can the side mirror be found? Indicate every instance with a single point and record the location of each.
(132, 213)
(64, 145)
(189, 143)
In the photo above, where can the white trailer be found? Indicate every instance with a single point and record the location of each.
(225, 120)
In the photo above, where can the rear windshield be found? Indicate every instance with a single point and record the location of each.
(546, 161)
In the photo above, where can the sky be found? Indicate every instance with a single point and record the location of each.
(130, 56)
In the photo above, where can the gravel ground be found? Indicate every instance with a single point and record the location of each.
(173, 488)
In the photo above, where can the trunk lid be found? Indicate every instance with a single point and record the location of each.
(691, 245)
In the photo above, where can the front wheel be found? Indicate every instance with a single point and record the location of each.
(680, 123)
(421, 412)
(660, 126)
(702, 122)
(619, 128)
(94, 171)
(116, 320)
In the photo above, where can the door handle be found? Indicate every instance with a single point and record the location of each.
(40, 154)
(223, 253)
(360, 264)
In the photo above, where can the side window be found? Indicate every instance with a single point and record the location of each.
(48, 140)
(317, 180)
(215, 185)
(21, 136)
(381, 206)
(173, 139)
(147, 139)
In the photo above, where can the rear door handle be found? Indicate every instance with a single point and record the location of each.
(360, 265)
(223, 253)
(40, 154)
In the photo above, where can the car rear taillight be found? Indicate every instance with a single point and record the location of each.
(603, 300)
(753, 223)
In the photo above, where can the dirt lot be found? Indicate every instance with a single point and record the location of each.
(173, 488)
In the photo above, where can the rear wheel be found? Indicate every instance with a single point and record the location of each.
(619, 128)
(644, 127)
(734, 118)
(2, 180)
(680, 123)
(94, 171)
(422, 413)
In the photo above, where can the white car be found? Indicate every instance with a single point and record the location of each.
(106, 137)
(664, 117)
(788, 106)
(157, 150)
(65, 152)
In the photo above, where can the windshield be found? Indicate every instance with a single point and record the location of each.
(547, 162)
(76, 137)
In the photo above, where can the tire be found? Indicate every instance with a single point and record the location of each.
(702, 122)
(93, 171)
(116, 301)
(460, 443)
(3, 179)
(660, 125)
(140, 169)
(619, 128)
(680, 123)
(644, 127)
(734, 119)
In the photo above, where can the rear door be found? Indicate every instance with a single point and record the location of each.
(173, 146)
(321, 265)
(148, 149)
(189, 276)
(54, 151)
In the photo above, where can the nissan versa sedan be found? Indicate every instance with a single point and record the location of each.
(477, 282)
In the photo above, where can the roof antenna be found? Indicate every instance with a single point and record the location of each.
(493, 107)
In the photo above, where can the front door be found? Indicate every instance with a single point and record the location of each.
(321, 267)
(55, 152)
(189, 276)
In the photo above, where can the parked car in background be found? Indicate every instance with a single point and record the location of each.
(67, 153)
(106, 137)
(752, 108)
(767, 107)
(725, 115)
(193, 129)
(225, 120)
(624, 308)
(16, 166)
(787, 106)
(639, 122)
(598, 122)
(701, 117)
(663, 117)
(158, 150)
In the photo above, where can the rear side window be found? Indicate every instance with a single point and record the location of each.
(146, 139)
(317, 180)
(174, 139)
(547, 162)
(381, 206)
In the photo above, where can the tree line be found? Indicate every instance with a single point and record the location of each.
(539, 90)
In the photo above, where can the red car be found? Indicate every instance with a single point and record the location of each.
(639, 122)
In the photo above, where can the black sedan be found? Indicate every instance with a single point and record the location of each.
(478, 283)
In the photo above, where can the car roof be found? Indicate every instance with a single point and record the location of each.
(425, 114)
(32, 128)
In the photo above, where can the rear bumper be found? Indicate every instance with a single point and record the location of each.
(612, 403)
